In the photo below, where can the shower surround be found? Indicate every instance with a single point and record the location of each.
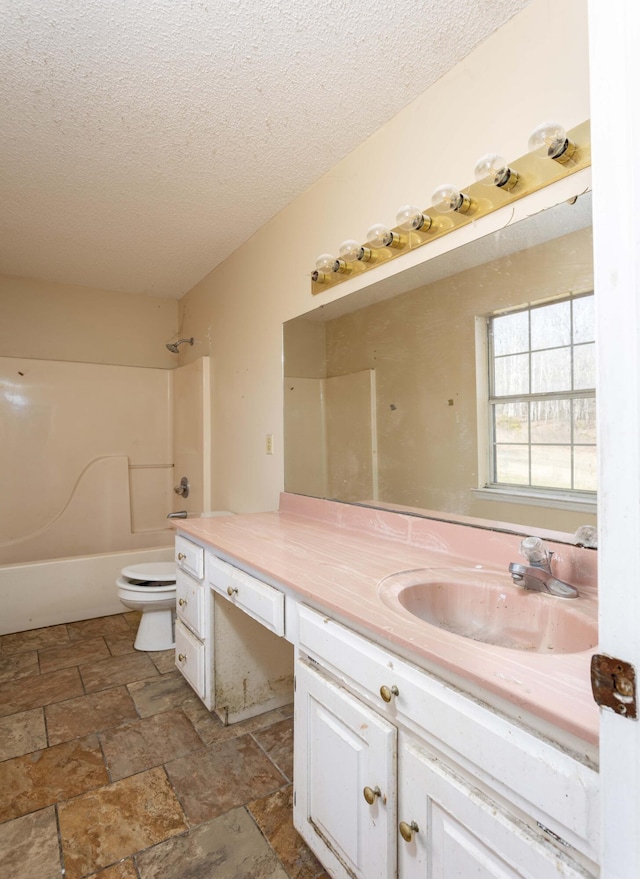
(87, 479)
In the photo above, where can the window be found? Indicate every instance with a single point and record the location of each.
(542, 397)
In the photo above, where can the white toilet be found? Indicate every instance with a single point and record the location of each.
(151, 588)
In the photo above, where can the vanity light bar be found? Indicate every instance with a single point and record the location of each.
(498, 183)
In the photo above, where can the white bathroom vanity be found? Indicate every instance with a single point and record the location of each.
(481, 763)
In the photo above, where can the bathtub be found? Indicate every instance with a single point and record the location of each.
(63, 590)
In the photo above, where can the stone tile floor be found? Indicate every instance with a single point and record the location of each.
(111, 767)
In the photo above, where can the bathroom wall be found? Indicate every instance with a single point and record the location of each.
(532, 69)
(60, 322)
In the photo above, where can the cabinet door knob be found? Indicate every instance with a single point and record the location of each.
(232, 590)
(370, 794)
(181, 556)
(182, 657)
(388, 693)
(407, 830)
(182, 602)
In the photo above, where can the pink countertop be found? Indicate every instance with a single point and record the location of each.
(335, 555)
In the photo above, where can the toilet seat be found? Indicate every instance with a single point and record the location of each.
(145, 587)
(151, 573)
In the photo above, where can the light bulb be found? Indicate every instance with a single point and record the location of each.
(350, 250)
(550, 141)
(381, 236)
(447, 198)
(493, 170)
(411, 218)
(326, 263)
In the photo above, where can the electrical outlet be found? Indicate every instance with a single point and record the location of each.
(269, 444)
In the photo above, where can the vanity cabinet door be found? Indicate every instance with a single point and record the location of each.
(448, 829)
(345, 755)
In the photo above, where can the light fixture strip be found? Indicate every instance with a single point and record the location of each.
(533, 174)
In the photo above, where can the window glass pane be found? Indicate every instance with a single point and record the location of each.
(551, 326)
(584, 366)
(583, 320)
(512, 464)
(511, 333)
(551, 371)
(551, 466)
(585, 473)
(584, 420)
(551, 421)
(549, 351)
(511, 424)
(511, 375)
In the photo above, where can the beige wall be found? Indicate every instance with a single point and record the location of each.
(50, 321)
(534, 68)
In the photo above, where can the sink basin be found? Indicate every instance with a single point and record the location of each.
(487, 607)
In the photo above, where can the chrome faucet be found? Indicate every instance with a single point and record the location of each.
(537, 575)
(181, 514)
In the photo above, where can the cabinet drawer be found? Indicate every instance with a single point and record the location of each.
(190, 603)
(262, 602)
(190, 658)
(353, 658)
(543, 781)
(189, 556)
(219, 574)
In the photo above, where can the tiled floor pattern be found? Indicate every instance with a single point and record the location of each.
(110, 766)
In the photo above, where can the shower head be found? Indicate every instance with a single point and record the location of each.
(173, 346)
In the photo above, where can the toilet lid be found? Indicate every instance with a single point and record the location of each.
(158, 572)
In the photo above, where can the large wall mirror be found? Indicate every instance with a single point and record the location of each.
(386, 392)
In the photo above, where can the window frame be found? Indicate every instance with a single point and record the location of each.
(569, 498)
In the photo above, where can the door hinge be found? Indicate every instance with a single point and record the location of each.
(613, 683)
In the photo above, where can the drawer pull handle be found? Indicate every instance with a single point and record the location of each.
(182, 602)
(182, 657)
(181, 556)
(231, 591)
(388, 693)
(370, 794)
(407, 830)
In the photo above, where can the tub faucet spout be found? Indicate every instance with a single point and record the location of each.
(181, 514)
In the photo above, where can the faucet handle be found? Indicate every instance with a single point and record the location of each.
(533, 549)
(586, 535)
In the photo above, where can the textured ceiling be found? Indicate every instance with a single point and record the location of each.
(142, 141)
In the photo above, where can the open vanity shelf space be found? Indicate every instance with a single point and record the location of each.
(416, 752)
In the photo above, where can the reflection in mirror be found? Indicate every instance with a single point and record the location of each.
(471, 394)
